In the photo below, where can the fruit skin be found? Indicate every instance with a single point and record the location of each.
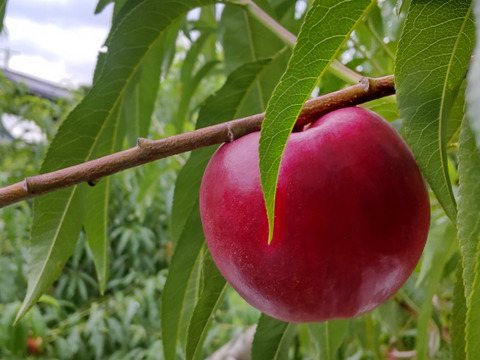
(351, 219)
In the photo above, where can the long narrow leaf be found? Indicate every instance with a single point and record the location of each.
(54, 236)
(272, 339)
(210, 298)
(97, 200)
(468, 203)
(242, 31)
(181, 271)
(328, 337)
(440, 245)
(432, 60)
(469, 233)
(139, 100)
(459, 311)
(326, 27)
(230, 98)
(472, 345)
(3, 5)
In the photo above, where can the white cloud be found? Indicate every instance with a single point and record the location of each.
(55, 45)
(35, 65)
(23, 129)
(76, 45)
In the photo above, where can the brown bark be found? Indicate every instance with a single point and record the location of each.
(150, 150)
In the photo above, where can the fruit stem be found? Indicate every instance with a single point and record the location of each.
(151, 150)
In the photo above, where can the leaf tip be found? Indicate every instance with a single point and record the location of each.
(22, 312)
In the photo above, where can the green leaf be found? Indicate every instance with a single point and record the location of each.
(139, 99)
(188, 90)
(134, 120)
(385, 107)
(468, 203)
(96, 216)
(96, 228)
(101, 5)
(3, 5)
(457, 115)
(185, 206)
(473, 79)
(210, 298)
(230, 98)
(432, 60)
(328, 337)
(272, 339)
(58, 216)
(190, 78)
(320, 39)
(472, 346)
(56, 224)
(439, 248)
(181, 271)
(457, 328)
(241, 30)
(469, 233)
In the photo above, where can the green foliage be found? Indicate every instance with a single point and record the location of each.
(120, 270)
(327, 337)
(426, 107)
(318, 43)
(272, 339)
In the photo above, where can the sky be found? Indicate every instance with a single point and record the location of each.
(55, 40)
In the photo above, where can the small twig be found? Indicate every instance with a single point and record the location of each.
(151, 150)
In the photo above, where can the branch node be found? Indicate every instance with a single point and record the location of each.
(25, 186)
(92, 183)
(142, 143)
(365, 83)
(230, 133)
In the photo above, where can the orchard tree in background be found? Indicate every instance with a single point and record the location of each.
(174, 66)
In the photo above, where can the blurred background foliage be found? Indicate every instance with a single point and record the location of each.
(73, 321)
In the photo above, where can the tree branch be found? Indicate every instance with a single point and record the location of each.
(150, 150)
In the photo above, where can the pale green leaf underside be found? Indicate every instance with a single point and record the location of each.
(327, 25)
(432, 60)
(53, 239)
